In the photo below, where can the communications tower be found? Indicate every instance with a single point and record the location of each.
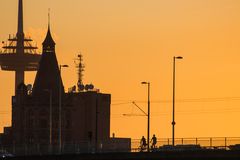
(18, 53)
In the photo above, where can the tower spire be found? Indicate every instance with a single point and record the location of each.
(48, 43)
(20, 17)
(48, 18)
(48, 74)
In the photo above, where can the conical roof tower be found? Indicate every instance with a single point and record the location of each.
(48, 75)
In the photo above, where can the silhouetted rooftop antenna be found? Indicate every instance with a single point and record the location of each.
(80, 69)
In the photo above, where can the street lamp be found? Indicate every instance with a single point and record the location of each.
(60, 107)
(148, 114)
(173, 120)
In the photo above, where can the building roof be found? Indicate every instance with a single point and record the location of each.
(48, 40)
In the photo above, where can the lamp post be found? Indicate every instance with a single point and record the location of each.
(148, 114)
(173, 116)
(60, 107)
(96, 126)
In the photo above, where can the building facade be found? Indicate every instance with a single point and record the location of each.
(46, 119)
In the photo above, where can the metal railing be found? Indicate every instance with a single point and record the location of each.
(86, 147)
(67, 148)
(203, 142)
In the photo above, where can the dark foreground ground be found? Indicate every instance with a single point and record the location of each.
(162, 155)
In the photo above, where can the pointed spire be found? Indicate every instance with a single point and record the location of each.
(49, 18)
(48, 43)
(48, 74)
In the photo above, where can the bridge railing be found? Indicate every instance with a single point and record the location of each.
(115, 146)
(204, 142)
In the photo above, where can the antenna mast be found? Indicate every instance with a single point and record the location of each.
(80, 69)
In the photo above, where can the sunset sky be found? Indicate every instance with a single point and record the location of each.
(125, 42)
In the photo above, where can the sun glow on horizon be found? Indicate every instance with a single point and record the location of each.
(126, 42)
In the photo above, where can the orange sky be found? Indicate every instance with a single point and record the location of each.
(125, 42)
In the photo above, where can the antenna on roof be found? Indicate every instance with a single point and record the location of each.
(80, 68)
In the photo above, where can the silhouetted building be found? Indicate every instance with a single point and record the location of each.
(85, 116)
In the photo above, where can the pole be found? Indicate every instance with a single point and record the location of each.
(50, 121)
(173, 120)
(60, 113)
(96, 129)
(173, 113)
(148, 131)
(60, 108)
(148, 114)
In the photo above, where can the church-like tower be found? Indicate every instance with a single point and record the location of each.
(48, 74)
(32, 113)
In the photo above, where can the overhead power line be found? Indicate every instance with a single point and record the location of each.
(217, 99)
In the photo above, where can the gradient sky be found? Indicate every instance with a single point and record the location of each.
(125, 42)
